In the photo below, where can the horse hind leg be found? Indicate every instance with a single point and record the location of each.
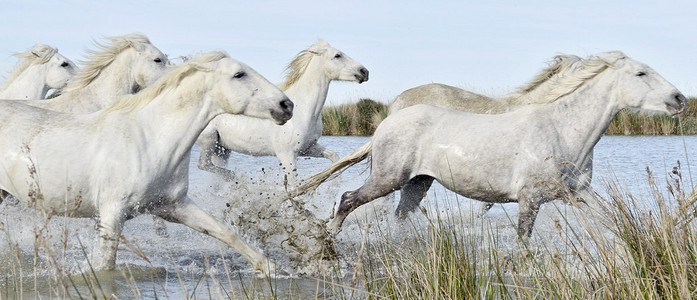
(411, 195)
(351, 200)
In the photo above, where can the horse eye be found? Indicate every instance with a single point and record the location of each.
(65, 64)
(239, 75)
(338, 55)
(157, 60)
(640, 74)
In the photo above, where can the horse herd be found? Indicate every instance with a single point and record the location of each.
(117, 141)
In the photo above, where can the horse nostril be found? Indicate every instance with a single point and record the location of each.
(363, 75)
(287, 106)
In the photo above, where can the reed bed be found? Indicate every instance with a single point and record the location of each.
(361, 118)
(636, 249)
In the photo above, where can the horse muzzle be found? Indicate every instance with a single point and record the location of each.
(677, 103)
(284, 113)
(362, 75)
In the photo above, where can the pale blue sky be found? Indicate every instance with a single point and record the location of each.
(489, 47)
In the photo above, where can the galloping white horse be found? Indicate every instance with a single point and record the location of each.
(307, 84)
(133, 157)
(126, 65)
(450, 97)
(41, 70)
(529, 155)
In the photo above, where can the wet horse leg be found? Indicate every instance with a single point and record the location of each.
(317, 150)
(351, 200)
(529, 202)
(111, 220)
(188, 213)
(210, 147)
(412, 193)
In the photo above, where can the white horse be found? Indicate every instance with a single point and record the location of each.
(307, 84)
(133, 157)
(41, 69)
(124, 66)
(450, 97)
(529, 155)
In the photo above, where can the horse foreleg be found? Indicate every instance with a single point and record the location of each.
(188, 213)
(210, 148)
(412, 193)
(317, 150)
(529, 202)
(110, 227)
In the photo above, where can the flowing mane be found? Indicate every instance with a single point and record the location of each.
(169, 81)
(98, 60)
(296, 68)
(565, 74)
(39, 54)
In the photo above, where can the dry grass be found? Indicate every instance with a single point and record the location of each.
(359, 119)
(642, 249)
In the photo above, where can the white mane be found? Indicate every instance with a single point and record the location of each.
(39, 54)
(296, 68)
(98, 60)
(169, 81)
(564, 75)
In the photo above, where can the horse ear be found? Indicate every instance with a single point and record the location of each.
(205, 67)
(40, 50)
(137, 46)
(611, 57)
(317, 52)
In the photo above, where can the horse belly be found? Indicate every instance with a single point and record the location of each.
(474, 174)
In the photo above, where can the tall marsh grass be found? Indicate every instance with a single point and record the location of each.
(635, 248)
(362, 118)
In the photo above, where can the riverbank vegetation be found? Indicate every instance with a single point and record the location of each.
(361, 118)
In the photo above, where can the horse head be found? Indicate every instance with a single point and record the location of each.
(239, 89)
(58, 68)
(639, 86)
(149, 63)
(336, 65)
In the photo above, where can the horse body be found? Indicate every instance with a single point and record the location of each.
(128, 64)
(446, 96)
(42, 69)
(306, 85)
(530, 155)
(450, 97)
(133, 157)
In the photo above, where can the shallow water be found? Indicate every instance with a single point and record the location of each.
(176, 265)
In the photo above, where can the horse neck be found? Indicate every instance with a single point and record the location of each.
(30, 84)
(309, 94)
(172, 121)
(114, 80)
(583, 116)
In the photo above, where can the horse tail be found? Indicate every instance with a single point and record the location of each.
(335, 169)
